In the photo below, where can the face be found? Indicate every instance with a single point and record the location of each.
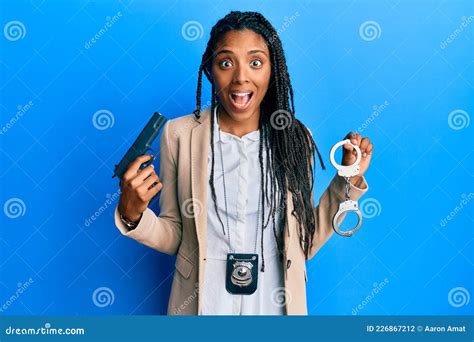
(241, 73)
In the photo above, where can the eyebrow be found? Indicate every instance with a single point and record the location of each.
(248, 53)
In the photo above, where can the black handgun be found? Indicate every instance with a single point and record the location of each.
(141, 145)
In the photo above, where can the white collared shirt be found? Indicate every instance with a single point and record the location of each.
(243, 183)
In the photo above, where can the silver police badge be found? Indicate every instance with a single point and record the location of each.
(241, 273)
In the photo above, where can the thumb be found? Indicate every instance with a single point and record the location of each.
(348, 147)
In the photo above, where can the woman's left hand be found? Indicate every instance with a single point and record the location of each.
(349, 154)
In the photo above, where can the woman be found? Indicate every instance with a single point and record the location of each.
(236, 184)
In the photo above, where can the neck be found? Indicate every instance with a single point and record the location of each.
(237, 128)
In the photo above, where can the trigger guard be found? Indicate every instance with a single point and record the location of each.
(347, 206)
(346, 170)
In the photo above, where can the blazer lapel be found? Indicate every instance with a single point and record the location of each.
(200, 141)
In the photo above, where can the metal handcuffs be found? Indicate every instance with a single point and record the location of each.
(346, 171)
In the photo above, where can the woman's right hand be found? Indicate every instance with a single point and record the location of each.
(138, 188)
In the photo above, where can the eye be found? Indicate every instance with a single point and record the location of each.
(256, 63)
(225, 64)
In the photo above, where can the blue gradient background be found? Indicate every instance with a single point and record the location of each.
(60, 165)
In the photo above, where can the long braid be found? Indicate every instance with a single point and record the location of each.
(260, 158)
(197, 111)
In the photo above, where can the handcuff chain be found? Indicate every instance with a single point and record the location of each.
(348, 187)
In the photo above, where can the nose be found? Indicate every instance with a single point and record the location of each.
(240, 75)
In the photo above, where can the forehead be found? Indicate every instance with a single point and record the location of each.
(241, 41)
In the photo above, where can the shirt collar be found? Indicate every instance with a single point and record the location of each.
(227, 137)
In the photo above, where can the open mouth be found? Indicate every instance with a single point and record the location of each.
(241, 100)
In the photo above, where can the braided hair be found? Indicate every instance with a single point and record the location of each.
(290, 163)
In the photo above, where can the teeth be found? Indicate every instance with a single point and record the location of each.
(241, 99)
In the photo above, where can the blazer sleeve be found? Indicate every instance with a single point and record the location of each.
(328, 207)
(162, 232)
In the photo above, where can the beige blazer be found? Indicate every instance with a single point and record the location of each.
(180, 231)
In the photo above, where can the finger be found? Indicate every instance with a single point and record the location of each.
(149, 182)
(349, 136)
(141, 177)
(363, 144)
(369, 149)
(353, 138)
(146, 172)
(348, 147)
(153, 191)
(133, 167)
